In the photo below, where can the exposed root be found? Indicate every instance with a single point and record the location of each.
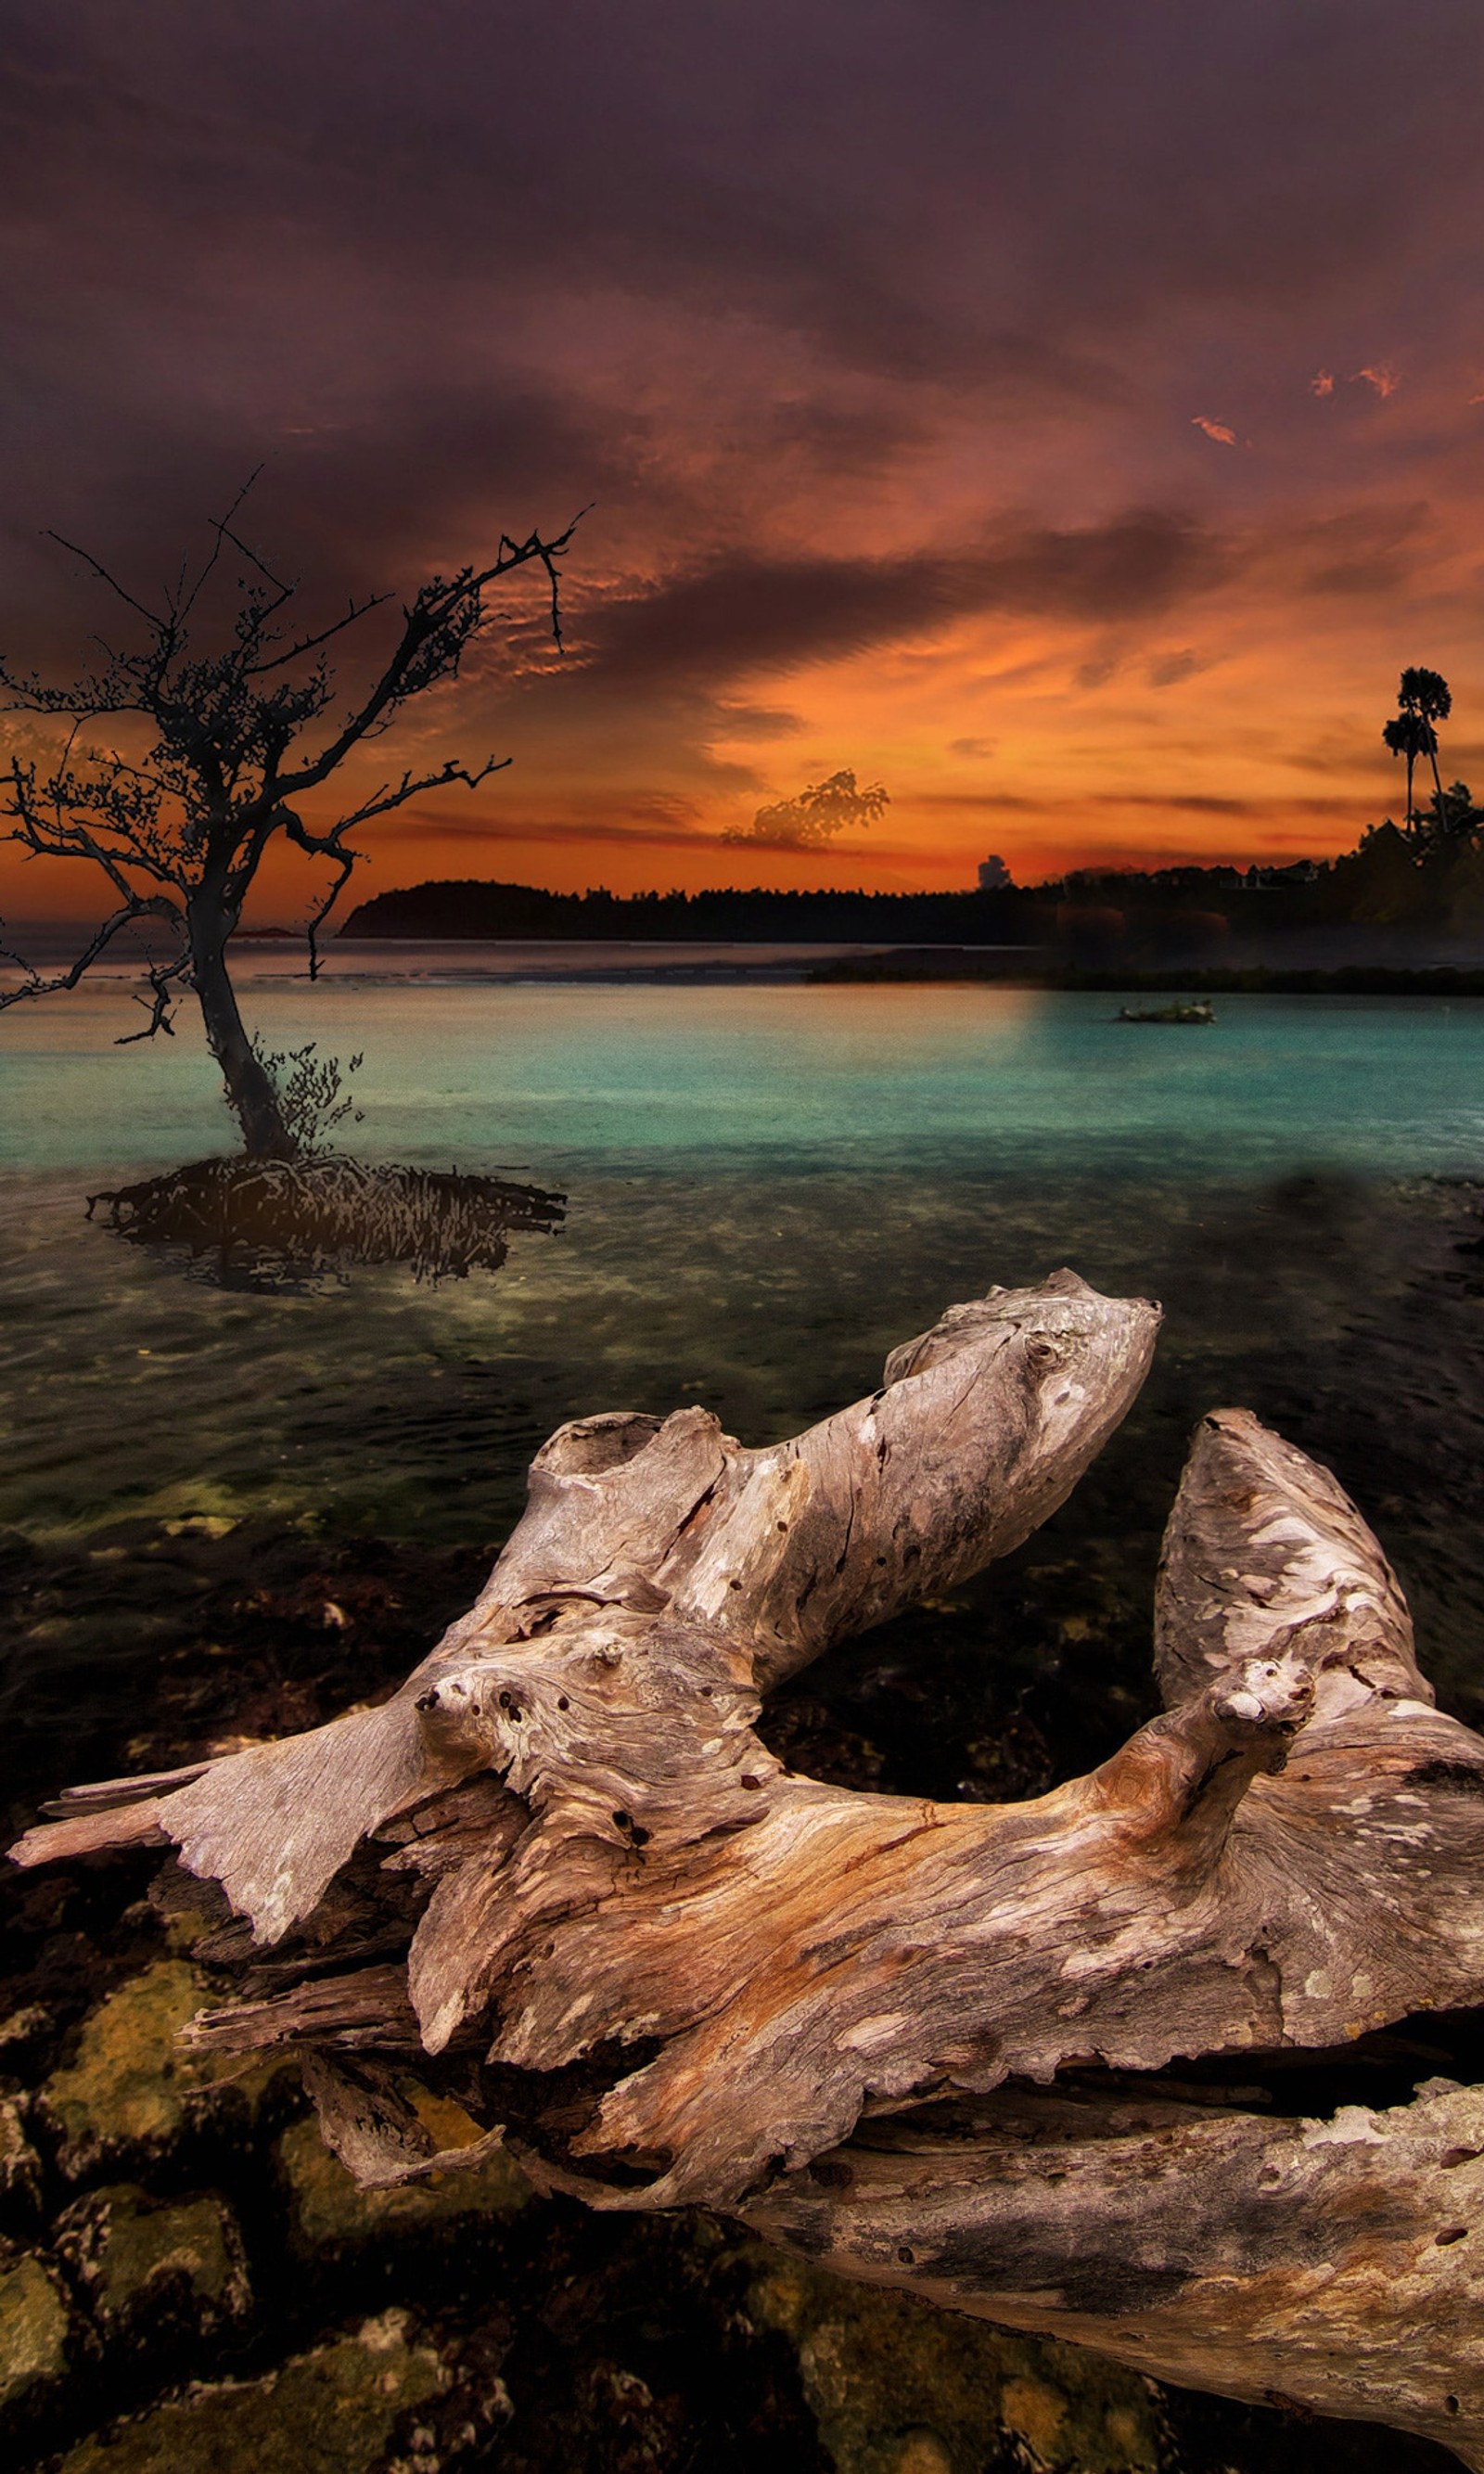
(263, 1219)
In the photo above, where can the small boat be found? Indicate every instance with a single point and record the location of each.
(1166, 1013)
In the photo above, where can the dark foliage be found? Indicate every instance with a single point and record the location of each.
(1428, 878)
(469, 908)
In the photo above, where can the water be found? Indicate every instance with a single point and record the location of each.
(770, 1185)
(788, 1081)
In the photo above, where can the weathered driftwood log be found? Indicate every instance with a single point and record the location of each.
(965, 2048)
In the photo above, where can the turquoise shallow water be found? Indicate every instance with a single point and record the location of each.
(788, 1081)
(769, 1186)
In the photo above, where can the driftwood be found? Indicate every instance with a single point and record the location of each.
(1085, 2064)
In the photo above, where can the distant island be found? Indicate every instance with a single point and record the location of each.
(473, 907)
(1397, 888)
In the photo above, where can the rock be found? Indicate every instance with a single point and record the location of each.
(20, 2167)
(898, 2387)
(152, 2273)
(132, 2093)
(23, 2028)
(334, 2410)
(330, 2214)
(34, 2332)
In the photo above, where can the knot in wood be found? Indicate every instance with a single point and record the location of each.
(1274, 1694)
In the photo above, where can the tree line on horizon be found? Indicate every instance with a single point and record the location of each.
(1428, 872)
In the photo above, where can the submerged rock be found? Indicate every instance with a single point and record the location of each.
(330, 2214)
(36, 2333)
(20, 2167)
(132, 2093)
(333, 2411)
(22, 2029)
(898, 2387)
(153, 2273)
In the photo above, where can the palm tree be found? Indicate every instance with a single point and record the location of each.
(1424, 699)
(1426, 695)
(1404, 737)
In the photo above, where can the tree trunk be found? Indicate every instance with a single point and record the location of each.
(1083, 2064)
(249, 1090)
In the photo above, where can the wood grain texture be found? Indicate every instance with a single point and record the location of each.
(1338, 2262)
(561, 1869)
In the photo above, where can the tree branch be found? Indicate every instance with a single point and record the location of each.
(328, 844)
(346, 863)
(451, 609)
(163, 627)
(216, 548)
(135, 907)
(68, 838)
(385, 799)
(310, 643)
(161, 1006)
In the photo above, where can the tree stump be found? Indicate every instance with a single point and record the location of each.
(1028, 2060)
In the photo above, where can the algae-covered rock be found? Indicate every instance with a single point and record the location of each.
(132, 2091)
(898, 2387)
(35, 2330)
(333, 2411)
(20, 2167)
(21, 2030)
(154, 2272)
(329, 2214)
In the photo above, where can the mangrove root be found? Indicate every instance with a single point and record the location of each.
(275, 1218)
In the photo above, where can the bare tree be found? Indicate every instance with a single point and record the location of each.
(220, 749)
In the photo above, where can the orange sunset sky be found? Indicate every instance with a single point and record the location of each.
(1072, 418)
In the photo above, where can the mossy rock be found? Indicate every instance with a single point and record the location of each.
(132, 2091)
(153, 2270)
(333, 2411)
(330, 2214)
(899, 2388)
(35, 2330)
(20, 2167)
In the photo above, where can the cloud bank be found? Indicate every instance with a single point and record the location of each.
(895, 340)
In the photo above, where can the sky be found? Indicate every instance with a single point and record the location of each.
(1067, 414)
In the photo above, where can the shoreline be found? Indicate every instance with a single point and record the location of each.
(959, 968)
(351, 964)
